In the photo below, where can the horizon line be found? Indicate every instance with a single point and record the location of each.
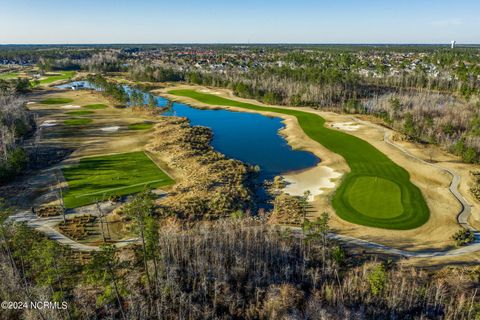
(242, 43)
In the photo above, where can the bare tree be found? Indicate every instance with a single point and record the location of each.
(59, 195)
(37, 138)
(103, 223)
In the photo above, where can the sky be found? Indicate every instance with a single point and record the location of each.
(241, 21)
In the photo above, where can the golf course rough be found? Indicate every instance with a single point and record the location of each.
(376, 192)
(60, 75)
(96, 178)
(56, 101)
(77, 121)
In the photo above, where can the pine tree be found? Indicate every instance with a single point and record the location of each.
(103, 272)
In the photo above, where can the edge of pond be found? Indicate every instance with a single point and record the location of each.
(296, 138)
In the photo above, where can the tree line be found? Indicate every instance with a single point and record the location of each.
(431, 118)
(109, 89)
(16, 124)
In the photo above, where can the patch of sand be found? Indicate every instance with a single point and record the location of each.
(210, 91)
(346, 126)
(30, 102)
(110, 129)
(314, 180)
(48, 123)
(69, 106)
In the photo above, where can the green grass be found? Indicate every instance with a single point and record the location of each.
(114, 175)
(80, 112)
(364, 194)
(8, 75)
(95, 106)
(62, 75)
(77, 121)
(366, 162)
(56, 101)
(140, 126)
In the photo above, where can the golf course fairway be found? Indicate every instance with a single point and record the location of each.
(376, 192)
(97, 178)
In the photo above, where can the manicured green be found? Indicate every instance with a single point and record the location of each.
(140, 126)
(80, 112)
(77, 121)
(56, 101)
(61, 75)
(382, 207)
(364, 193)
(95, 106)
(96, 178)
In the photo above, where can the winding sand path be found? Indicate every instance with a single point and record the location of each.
(465, 211)
(462, 217)
(474, 247)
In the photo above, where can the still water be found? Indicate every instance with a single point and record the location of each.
(248, 137)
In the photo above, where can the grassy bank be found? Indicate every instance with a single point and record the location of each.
(77, 122)
(56, 101)
(400, 205)
(57, 76)
(140, 126)
(80, 113)
(8, 75)
(95, 178)
(96, 106)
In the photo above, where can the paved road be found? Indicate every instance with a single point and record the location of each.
(465, 207)
(465, 210)
(474, 247)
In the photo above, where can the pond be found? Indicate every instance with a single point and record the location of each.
(249, 137)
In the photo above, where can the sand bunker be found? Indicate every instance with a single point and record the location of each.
(30, 102)
(210, 91)
(313, 180)
(346, 126)
(110, 129)
(48, 123)
(69, 106)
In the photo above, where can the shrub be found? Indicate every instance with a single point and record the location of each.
(15, 163)
(338, 255)
(470, 155)
(378, 279)
(463, 237)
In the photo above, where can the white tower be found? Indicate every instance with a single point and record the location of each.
(453, 44)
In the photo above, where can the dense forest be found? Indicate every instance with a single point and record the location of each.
(239, 267)
(16, 124)
(432, 118)
(429, 93)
